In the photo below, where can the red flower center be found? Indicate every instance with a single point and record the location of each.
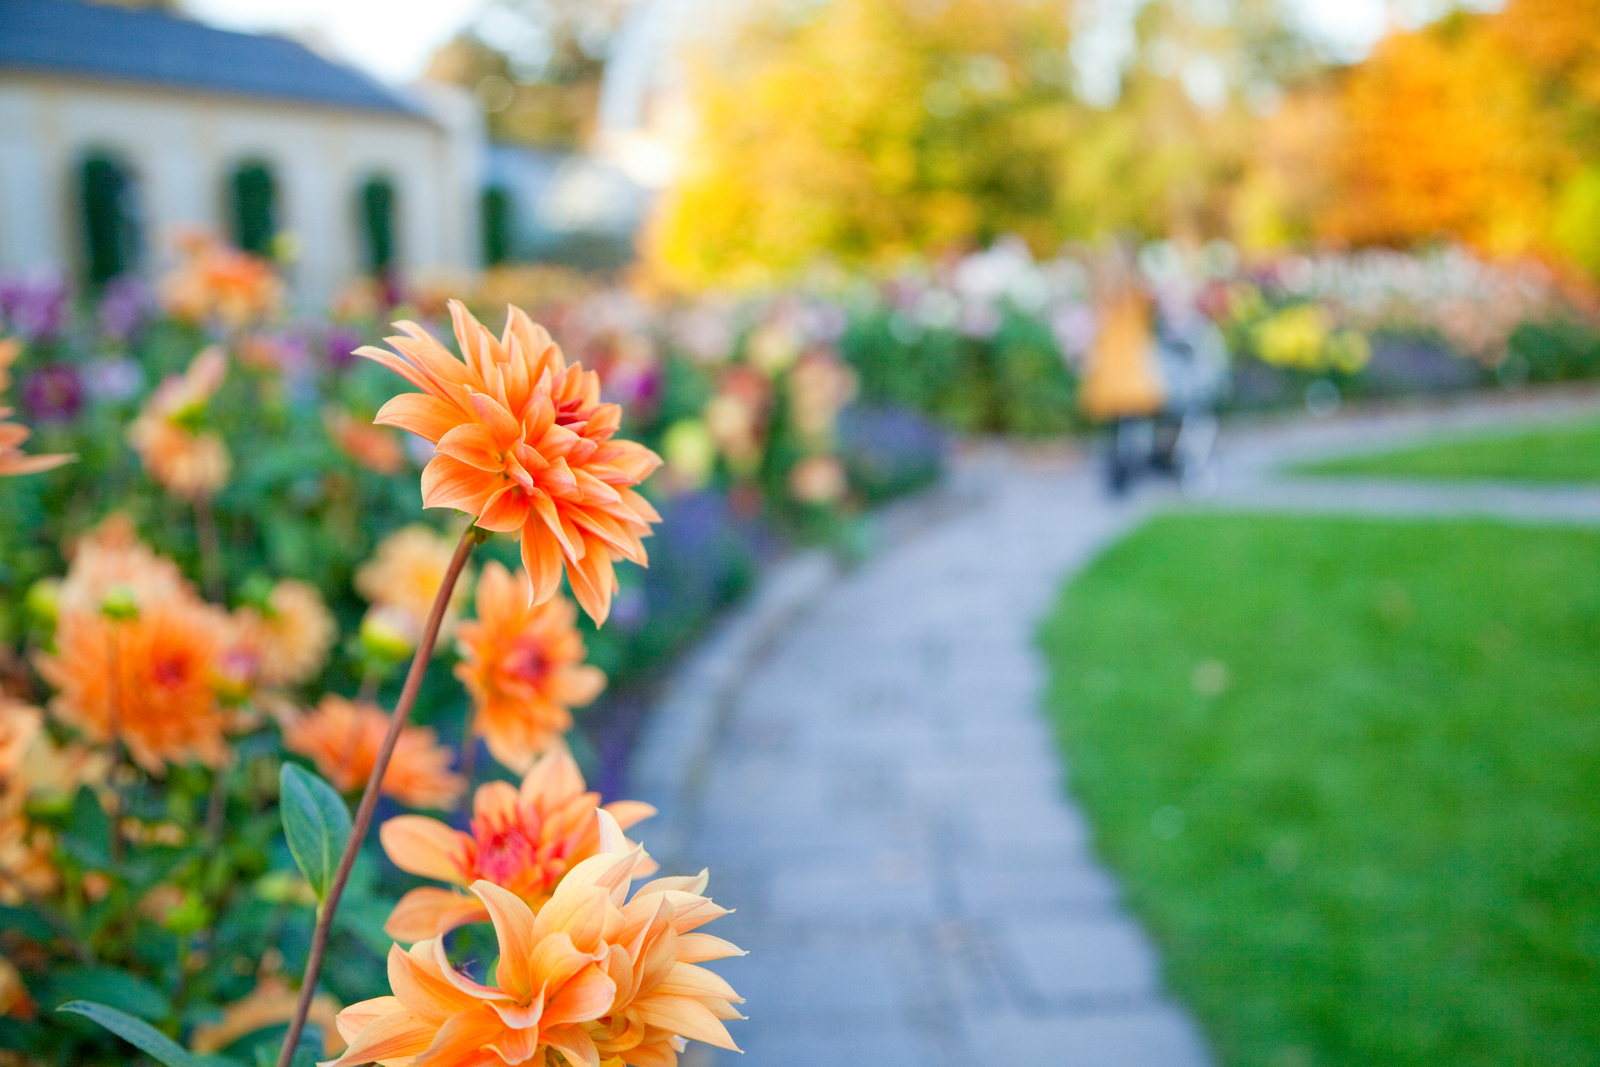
(526, 662)
(171, 671)
(506, 856)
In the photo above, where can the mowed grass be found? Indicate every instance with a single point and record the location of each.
(1565, 452)
(1349, 774)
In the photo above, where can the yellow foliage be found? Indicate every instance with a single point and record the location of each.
(876, 129)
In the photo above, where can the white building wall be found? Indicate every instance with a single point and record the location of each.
(183, 148)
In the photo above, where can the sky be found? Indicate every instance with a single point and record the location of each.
(392, 39)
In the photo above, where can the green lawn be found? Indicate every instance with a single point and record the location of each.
(1565, 452)
(1349, 773)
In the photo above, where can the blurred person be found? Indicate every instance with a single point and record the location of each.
(1123, 386)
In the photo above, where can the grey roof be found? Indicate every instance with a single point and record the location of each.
(151, 47)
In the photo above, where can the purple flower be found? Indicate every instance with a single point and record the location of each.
(36, 306)
(113, 379)
(53, 393)
(342, 343)
(124, 305)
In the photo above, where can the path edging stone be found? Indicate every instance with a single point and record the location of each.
(670, 762)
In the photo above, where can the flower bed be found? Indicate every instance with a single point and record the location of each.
(216, 569)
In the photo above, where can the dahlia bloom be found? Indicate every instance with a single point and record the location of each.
(342, 738)
(189, 463)
(404, 575)
(373, 448)
(217, 280)
(154, 675)
(25, 851)
(14, 999)
(523, 664)
(286, 640)
(109, 556)
(523, 840)
(13, 460)
(524, 444)
(590, 977)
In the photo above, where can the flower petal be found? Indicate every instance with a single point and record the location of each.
(427, 847)
(513, 926)
(388, 1037)
(474, 445)
(449, 483)
(685, 1017)
(422, 414)
(462, 1035)
(575, 1044)
(506, 511)
(427, 912)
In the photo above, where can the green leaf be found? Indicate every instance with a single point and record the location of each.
(141, 1035)
(316, 822)
(131, 992)
(87, 837)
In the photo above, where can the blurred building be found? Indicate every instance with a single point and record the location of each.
(118, 127)
(574, 208)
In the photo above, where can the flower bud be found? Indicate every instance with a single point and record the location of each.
(388, 634)
(43, 602)
(119, 604)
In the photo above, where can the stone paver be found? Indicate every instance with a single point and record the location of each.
(880, 797)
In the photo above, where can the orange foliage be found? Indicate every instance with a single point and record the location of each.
(1444, 136)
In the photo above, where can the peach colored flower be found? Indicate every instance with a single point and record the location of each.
(524, 444)
(521, 840)
(156, 674)
(111, 555)
(404, 576)
(13, 460)
(188, 462)
(374, 448)
(269, 1003)
(589, 977)
(33, 765)
(342, 738)
(523, 664)
(216, 280)
(818, 480)
(14, 999)
(287, 640)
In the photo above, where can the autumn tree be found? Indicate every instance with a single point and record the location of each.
(1446, 134)
(869, 129)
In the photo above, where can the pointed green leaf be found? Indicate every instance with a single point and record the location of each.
(316, 822)
(99, 984)
(142, 1035)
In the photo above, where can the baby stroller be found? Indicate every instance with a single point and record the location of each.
(1191, 361)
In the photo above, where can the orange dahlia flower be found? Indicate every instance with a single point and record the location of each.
(286, 640)
(522, 840)
(524, 444)
(13, 460)
(374, 448)
(404, 575)
(342, 738)
(590, 977)
(188, 462)
(218, 280)
(155, 676)
(109, 556)
(523, 664)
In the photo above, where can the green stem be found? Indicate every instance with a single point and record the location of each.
(369, 796)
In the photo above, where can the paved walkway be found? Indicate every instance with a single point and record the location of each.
(881, 799)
